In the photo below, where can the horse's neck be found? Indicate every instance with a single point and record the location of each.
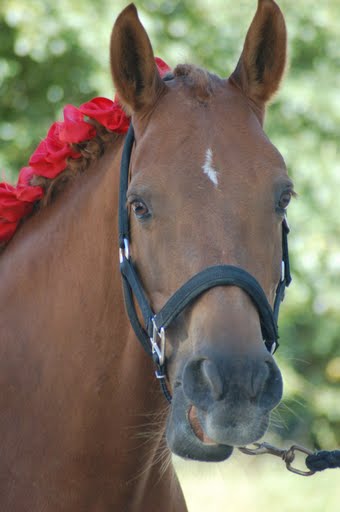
(76, 388)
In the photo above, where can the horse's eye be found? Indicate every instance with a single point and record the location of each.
(140, 209)
(285, 200)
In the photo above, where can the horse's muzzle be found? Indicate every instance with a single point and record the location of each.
(222, 402)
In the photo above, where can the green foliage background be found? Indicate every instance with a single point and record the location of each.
(53, 53)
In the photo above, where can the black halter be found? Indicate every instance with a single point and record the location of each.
(152, 334)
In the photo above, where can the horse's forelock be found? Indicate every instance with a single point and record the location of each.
(198, 80)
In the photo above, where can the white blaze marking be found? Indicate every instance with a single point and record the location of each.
(208, 167)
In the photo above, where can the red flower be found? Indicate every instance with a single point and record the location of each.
(162, 67)
(74, 128)
(24, 190)
(12, 208)
(108, 113)
(49, 159)
(16, 203)
(7, 230)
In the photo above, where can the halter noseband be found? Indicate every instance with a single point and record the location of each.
(152, 334)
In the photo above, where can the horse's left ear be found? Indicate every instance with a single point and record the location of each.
(133, 67)
(262, 62)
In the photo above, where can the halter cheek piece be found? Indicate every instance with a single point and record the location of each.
(152, 334)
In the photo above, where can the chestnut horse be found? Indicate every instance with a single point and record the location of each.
(206, 188)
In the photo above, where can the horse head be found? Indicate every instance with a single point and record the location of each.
(207, 188)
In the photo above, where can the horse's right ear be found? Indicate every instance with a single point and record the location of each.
(133, 67)
(262, 63)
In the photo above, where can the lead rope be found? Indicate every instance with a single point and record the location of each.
(314, 461)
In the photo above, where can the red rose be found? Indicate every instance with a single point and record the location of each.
(74, 129)
(24, 190)
(7, 230)
(12, 208)
(108, 113)
(162, 67)
(49, 159)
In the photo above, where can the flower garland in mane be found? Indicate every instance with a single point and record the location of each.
(54, 153)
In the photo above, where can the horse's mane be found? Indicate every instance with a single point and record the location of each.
(72, 145)
(67, 151)
(197, 79)
(90, 151)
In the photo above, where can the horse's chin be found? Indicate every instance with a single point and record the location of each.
(187, 439)
(191, 436)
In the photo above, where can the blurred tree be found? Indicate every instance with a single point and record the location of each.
(57, 53)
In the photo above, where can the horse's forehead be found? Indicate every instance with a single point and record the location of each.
(220, 134)
(224, 119)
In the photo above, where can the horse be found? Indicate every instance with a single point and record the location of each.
(83, 425)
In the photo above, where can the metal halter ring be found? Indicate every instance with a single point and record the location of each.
(156, 349)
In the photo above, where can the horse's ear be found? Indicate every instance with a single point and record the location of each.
(133, 67)
(262, 62)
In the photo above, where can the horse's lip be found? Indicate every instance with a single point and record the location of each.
(184, 435)
(197, 427)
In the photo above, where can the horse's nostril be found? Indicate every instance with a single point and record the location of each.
(255, 381)
(202, 382)
(271, 389)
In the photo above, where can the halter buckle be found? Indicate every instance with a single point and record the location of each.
(156, 349)
(124, 252)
